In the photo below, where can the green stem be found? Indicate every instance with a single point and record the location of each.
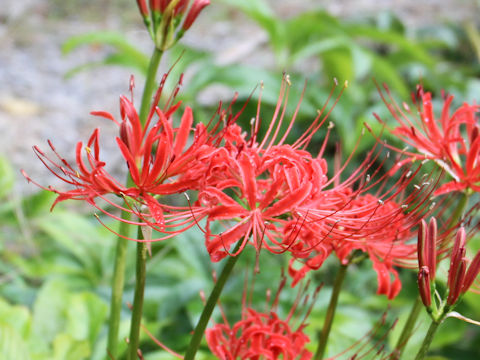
(428, 340)
(459, 210)
(332, 306)
(150, 84)
(407, 329)
(134, 339)
(117, 289)
(210, 305)
(141, 270)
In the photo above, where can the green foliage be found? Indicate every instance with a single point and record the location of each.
(124, 54)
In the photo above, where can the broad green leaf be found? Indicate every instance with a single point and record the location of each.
(18, 317)
(65, 347)
(339, 63)
(390, 38)
(86, 314)
(81, 240)
(49, 310)
(126, 54)
(385, 72)
(12, 344)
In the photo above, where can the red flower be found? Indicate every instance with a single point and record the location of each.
(90, 179)
(259, 183)
(158, 159)
(260, 335)
(380, 229)
(442, 139)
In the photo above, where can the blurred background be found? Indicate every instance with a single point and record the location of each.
(59, 60)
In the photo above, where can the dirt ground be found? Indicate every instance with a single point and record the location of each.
(37, 102)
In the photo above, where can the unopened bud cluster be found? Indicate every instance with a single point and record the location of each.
(167, 20)
(460, 275)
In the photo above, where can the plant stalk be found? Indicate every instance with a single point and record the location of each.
(150, 84)
(210, 305)
(428, 339)
(121, 250)
(332, 306)
(141, 271)
(407, 329)
(117, 288)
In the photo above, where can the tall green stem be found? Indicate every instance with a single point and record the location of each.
(332, 306)
(428, 340)
(141, 270)
(121, 249)
(210, 305)
(141, 266)
(407, 329)
(117, 289)
(150, 84)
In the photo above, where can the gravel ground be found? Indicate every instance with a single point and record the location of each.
(37, 102)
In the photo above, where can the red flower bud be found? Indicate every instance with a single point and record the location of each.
(424, 286)
(458, 253)
(155, 5)
(142, 6)
(472, 273)
(458, 276)
(195, 10)
(427, 247)
(181, 7)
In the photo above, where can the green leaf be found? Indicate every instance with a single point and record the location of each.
(49, 310)
(339, 63)
(18, 317)
(125, 54)
(7, 178)
(86, 314)
(414, 51)
(12, 345)
(263, 15)
(64, 347)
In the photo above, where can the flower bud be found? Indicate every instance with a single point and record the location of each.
(193, 13)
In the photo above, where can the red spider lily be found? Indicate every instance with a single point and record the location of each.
(158, 159)
(89, 181)
(261, 334)
(452, 140)
(260, 206)
(258, 335)
(343, 220)
(381, 230)
(259, 183)
(159, 152)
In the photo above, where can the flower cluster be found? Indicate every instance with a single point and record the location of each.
(261, 334)
(451, 139)
(260, 189)
(159, 161)
(280, 197)
(460, 275)
(163, 19)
